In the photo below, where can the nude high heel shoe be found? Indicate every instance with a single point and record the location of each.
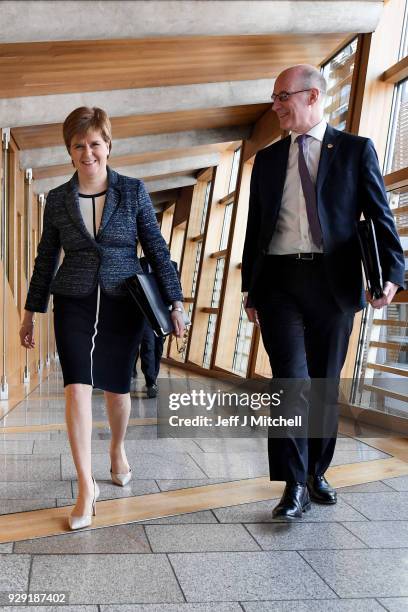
(79, 522)
(121, 479)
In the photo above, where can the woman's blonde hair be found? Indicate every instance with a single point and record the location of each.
(86, 118)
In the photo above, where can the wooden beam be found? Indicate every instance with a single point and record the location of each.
(219, 254)
(32, 69)
(265, 131)
(402, 296)
(227, 199)
(397, 179)
(396, 73)
(386, 392)
(209, 310)
(358, 83)
(49, 135)
(197, 238)
(390, 322)
(393, 346)
(385, 368)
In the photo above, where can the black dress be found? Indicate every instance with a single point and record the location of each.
(97, 336)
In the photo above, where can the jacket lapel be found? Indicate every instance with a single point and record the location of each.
(112, 200)
(72, 206)
(329, 149)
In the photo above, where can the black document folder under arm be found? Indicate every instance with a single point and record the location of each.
(370, 257)
(146, 293)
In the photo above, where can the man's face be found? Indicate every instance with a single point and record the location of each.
(294, 113)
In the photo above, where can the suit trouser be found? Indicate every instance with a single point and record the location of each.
(306, 337)
(150, 351)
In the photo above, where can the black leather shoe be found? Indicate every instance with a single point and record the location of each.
(295, 500)
(320, 490)
(152, 390)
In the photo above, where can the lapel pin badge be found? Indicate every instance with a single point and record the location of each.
(329, 146)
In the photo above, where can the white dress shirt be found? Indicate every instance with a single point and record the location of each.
(91, 207)
(292, 232)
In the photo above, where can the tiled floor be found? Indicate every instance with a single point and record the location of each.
(347, 557)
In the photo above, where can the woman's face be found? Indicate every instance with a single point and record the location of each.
(89, 154)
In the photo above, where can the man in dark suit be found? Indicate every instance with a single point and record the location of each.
(150, 348)
(301, 267)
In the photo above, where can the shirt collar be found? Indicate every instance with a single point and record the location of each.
(317, 131)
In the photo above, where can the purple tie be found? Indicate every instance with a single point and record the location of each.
(309, 191)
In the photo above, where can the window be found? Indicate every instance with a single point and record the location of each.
(205, 207)
(226, 223)
(382, 364)
(397, 153)
(234, 170)
(242, 344)
(339, 73)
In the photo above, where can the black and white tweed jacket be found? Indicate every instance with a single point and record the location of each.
(128, 217)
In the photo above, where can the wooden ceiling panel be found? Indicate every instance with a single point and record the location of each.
(38, 136)
(32, 69)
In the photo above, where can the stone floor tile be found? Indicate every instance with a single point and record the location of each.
(400, 483)
(203, 516)
(362, 573)
(395, 604)
(261, 512)
(303, 536)
(29, 468)
(366, 487)
(105, 579)
(381, 534)
(129, 538)
(25, 435)
(349, 605)
(14, 570)
(180, 607)
(199, 538)
(35, 490)
(51, 608)
(232, 445)
(16, 447)
(351, 444)
(6, 548)
(163, 445)
(147, 466)
(355, 456)
(174, 483)
(141, 432)
(247, 576)
(108, 490)
(232, 465)
(379, 506)
(9, 506)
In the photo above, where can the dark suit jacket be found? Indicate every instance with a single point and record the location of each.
(349, 182)
(128, 216)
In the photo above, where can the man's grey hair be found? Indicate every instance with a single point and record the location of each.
(311, 77)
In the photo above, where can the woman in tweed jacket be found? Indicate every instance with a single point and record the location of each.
(97, 218)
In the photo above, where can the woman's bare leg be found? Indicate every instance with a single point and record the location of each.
(118, 407)
(78, 414)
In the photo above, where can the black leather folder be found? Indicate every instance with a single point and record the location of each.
(370, 257)
(145, 291)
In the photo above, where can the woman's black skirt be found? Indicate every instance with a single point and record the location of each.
(97, 339)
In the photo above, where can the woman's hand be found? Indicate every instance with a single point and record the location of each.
(27, 331)
(177, 316)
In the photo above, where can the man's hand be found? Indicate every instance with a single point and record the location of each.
(251, 312)
(390, 289)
